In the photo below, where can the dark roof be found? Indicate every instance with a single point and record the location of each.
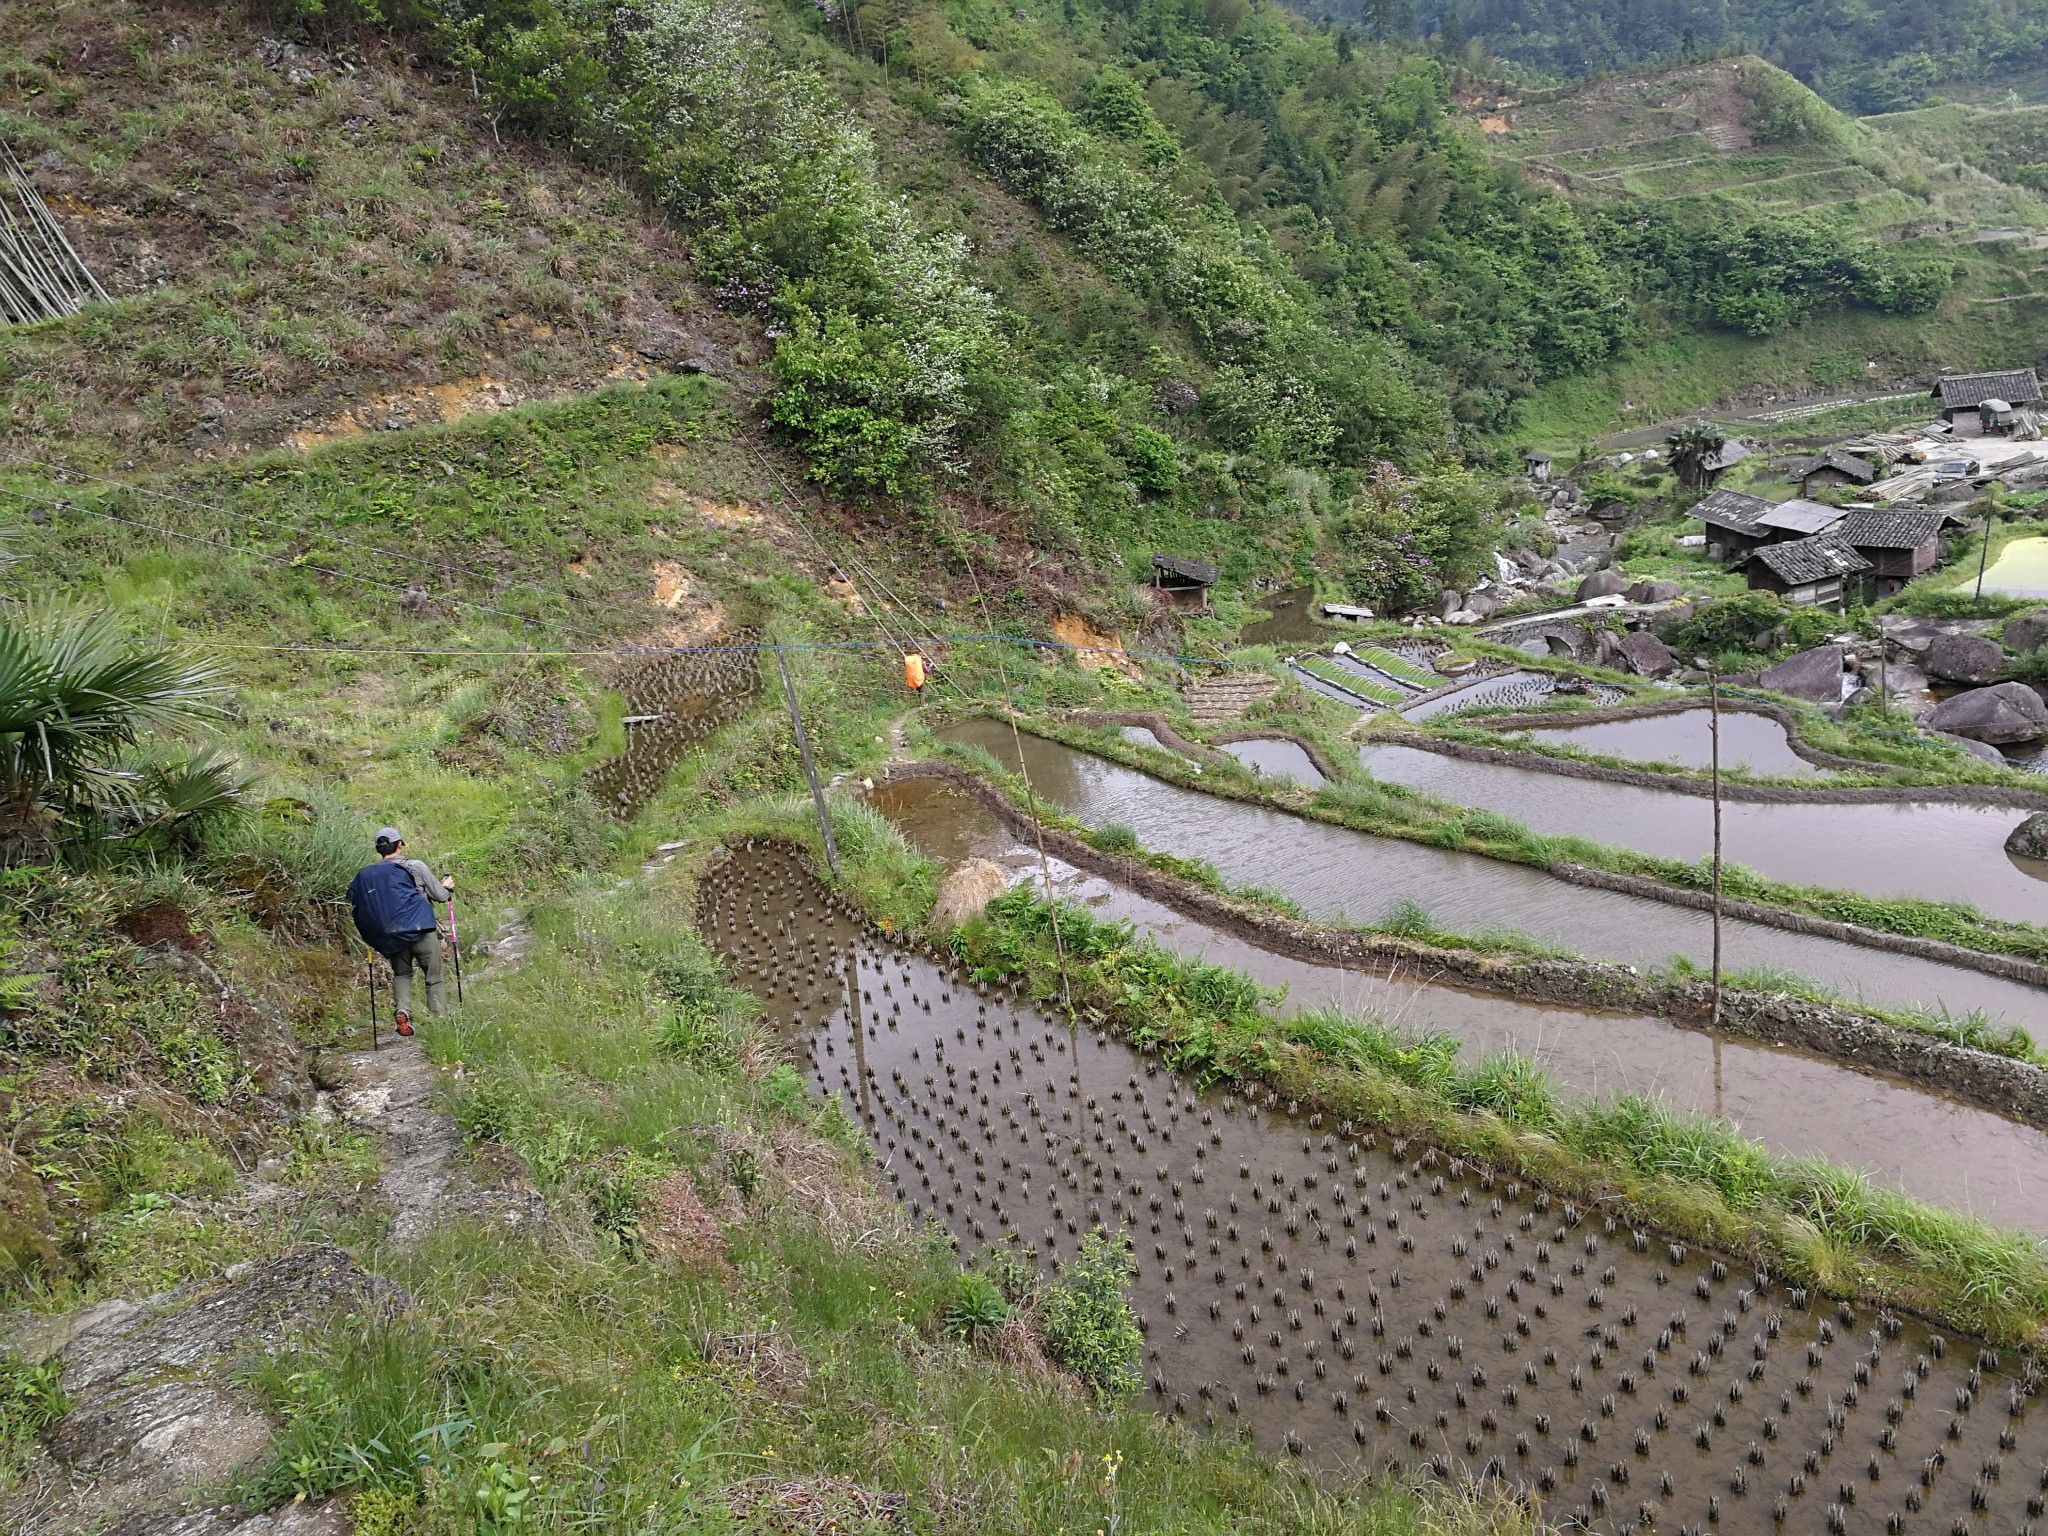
(1730, 453)
(1801, 516)
(1963, 391)
(1194, 570)
(1730, 510)
(1892, 530)
(1808, 560)
(1862, 471)
(1535, 456)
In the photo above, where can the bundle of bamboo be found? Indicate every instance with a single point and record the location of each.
(42, 276)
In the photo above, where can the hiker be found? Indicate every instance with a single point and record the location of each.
(394, 902)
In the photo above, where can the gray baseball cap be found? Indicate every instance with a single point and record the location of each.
(388, 835)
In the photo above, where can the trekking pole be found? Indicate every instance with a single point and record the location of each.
(371, 956)
(455, 946)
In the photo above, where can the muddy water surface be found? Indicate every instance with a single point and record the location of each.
(1755, 742)
(1291, 618)
(1914, 848)
(1335, 873)
(1272, 758)
(1903, 1136)
(1326, 1289)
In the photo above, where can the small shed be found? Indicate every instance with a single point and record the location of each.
(1730, 518)
(1185, 582)
(1536, 463)
(1726, 457)
(1809, 572)
(1833, 470)
(1898, 545)
(1964, 394)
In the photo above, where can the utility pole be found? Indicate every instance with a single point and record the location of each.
(1984, 554)
(803, 747)
(1714, 759)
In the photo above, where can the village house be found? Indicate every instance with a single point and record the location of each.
(1185, 582)
(1723, 459)
(1536, 464)
(1898, 545)
(1731, 525)
(1808, 572)
(1965, 394)
(1832, 470)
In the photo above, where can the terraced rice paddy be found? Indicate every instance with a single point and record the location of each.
(1941, 852)
(673, 702)
(1756, 743)
(2021, 570)
(1342, 1295)
(1335, 873)
(1904, 1136)
(1274, 758)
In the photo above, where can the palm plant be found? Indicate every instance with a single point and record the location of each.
(1692, 449)
(76, 694)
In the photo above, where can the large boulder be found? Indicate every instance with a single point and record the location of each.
(1815, 676)
(1652, 592)
(2004, 712)
(966, 892)
(1975, 748)
(1448, 603)
(2029, 840)
(1608, 583)
(1606, 651)
(1965, 658)
(1646, 654)
(2028, 632)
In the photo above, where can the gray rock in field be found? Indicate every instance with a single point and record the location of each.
(2028, 632)
(1965, 658)
(2029, 840)
(1815, 676)
(1602, 584)
(1652, 592)
(1448, 603)
(1646, 654)
(2004, 712)
(1974, 748)
(1485, 604)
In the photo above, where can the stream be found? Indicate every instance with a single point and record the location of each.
(1344, 1296)
(1336, 874)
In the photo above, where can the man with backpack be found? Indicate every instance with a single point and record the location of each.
(394, 901)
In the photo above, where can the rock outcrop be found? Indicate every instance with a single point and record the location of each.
(2029, 840)
(1964, 658)
(1602, 584)
(2028, 632)
(1646, 654)
(1652, 592)
(152, 1417)
(2002, 713)
(1815, 676)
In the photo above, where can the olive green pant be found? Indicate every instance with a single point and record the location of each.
(424, 951)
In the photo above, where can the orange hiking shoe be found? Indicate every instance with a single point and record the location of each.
(405, 1023)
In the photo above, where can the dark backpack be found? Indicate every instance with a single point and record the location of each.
(391, 914)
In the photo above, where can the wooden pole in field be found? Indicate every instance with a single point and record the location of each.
(803, 747)
(1714, 727)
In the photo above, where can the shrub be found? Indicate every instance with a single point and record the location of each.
(31, 1399)
(1090, 1329)
(1114, 837)
(977, 1307)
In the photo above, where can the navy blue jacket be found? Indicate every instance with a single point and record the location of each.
(391, 914)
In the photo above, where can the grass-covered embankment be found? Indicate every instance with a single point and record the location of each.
(723, 1315)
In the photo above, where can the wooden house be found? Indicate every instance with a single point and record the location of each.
(1832, 471)
(1898, 545)
(1809, 572)
(1726, 457)
(1185, 582)
(1964, 394)
(1730, 519)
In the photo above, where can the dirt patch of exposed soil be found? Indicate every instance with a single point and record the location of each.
(1094, 649)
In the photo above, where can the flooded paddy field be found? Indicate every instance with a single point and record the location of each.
(1923, 848)
(1753, 742)
(1903, 1135)
(1272, 757)
(1344, 1296)
(1336, 874)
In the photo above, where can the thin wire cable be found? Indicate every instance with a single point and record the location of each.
(1052, 901)
(493, 578)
